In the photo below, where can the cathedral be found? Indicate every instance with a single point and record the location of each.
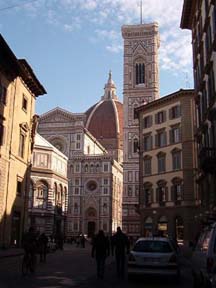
(93, 143)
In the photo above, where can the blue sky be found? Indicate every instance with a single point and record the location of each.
(72, 44)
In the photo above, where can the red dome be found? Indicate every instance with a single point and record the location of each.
(105, 119)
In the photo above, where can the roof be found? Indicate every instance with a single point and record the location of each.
(179, 93)
(187, 14)
(15, 67)
(105, 119)
(41, 142)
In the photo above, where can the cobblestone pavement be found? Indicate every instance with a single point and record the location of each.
(73, 267)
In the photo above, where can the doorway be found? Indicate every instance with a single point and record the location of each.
(91, 229)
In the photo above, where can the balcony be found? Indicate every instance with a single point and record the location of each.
(207, 157)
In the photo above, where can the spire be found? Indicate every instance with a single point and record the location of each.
(110, 88)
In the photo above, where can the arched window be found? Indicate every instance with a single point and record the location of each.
(135, 145)
(92, 168)
(162, 193)
(55, 192)
(148, 193)
(97, 168)
(86, 168)
(140, 73)
(42, 195)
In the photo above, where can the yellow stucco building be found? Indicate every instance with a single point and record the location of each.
(19, 88)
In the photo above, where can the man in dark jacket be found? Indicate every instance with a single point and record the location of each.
(100, 250)
(121, 245)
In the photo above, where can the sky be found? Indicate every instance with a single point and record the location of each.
(72, 44)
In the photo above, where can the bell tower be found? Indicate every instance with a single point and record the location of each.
(141, 85)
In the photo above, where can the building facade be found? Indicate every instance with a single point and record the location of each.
(19, 88)
(94, 164)
(141, 85)
(168, 191)
(48, 190)
(200, 18)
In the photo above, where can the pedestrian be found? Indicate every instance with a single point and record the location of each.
(100, 250)
(42, 243)
(82, 241)
(120, 246)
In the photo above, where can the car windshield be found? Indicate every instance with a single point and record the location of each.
(153, 246)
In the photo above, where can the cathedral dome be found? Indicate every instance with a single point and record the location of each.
(105, 118)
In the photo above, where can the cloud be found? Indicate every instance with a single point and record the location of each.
(104, 18)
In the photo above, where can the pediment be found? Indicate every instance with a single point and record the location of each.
(57, 115)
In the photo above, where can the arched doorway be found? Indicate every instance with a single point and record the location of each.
(91, 215)
(163, 226)
(91, 228)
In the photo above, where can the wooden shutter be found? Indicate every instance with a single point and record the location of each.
(166, 193)
(170, 113)
(171, 136)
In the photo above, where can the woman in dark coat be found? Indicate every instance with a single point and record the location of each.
(100, 250)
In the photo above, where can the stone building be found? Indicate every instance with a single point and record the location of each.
(19, 89)
(94, 162)
(168, 190)
(48, 190)
(200, 18)
(141, 85)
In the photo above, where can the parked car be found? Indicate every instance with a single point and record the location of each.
(154, 256)
(203, 259)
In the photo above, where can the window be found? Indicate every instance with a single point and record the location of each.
(22, 145)
(24, 103)
(105, 190)
(76, 190)
(75, 208)
(106, 167)
(147, 166)
(130, 192)
(78, 137)
(140, 73)
(19, 187)
(105, 181)
(160, 139)
(77, 181)
(177, 189)
(148, 193)
(147, 142)
(160, 117)
(77, 168)
(3, 94)
(135, 145)
(175, 112)
(175, 135)
(147, 121)
(161, 193)
(130, 176)
(176, 159)
(161, 163)
(86, 168)
(78, 145)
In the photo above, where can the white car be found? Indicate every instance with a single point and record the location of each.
(154, 256)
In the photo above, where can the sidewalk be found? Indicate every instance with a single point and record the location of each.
(11, 252)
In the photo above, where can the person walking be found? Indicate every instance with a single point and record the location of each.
(42, 242)
(120, 245)
(100, 250)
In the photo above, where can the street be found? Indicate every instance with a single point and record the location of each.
(74, 267)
